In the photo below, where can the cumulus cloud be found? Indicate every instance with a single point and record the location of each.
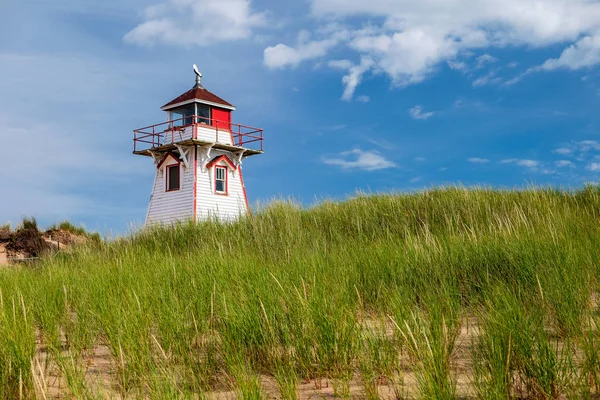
(564, 163)
(531, 164)
(417, 113)
(594, 167)
(485, 59)
(563, 150)
(359, 159)
(458, 65)
(306, 48)
(477, 160)
(340, 64)
(585, 53)
(281, 56)
(408, 40)
(578, 148)
(196, 23)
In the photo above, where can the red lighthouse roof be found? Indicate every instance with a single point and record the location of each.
(198, 94)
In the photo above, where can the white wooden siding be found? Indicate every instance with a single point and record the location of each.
(208, 134)
(169, 207)
(212, 205)
(178, 136)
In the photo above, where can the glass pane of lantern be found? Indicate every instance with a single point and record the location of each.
(203, 113)
(176, 118)
(188, 113)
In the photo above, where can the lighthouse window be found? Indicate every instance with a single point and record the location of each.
(221, 180)
(183, 116)
(173, 178)
(203, 113)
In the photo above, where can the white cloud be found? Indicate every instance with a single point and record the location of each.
(196, 23)
(594, 167)
(489, 78)
(564, 163)
(363, 99)
(458, 65)
(580, 148)
(477, 160)
(587, 145)
(416, 179)
(354, 77)
(359, 159)
(408, 56)
(281, 56)
(563, 150)
(585, 53)
(420, 159)
(531, 164)
(408, 40)
(485, 59)
(340, 64)
(417, 113)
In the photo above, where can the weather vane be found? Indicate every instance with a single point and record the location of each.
(198, 75)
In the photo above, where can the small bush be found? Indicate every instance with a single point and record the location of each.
(28, 239)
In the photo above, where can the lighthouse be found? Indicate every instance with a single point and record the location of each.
(197, 154)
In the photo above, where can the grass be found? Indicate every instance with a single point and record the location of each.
(368, 290)
(67, 226)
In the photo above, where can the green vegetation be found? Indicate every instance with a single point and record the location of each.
(67, 226)
(412, 294)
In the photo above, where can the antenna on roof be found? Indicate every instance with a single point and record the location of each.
(198, 76)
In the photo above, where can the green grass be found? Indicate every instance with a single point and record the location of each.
(366, 290)
(67, 226)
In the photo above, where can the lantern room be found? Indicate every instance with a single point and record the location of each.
(199, 106)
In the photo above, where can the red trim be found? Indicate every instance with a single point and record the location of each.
(244, 189)
(195, 184)
(178, 166)
(153, 136)
(226, 193)
(218, 159)
(160, 164)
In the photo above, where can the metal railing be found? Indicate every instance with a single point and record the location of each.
(154, 136)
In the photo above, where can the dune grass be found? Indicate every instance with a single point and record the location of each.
(365, 290)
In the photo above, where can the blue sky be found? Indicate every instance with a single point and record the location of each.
(385, 95)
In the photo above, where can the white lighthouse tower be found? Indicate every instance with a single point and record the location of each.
(198, 155)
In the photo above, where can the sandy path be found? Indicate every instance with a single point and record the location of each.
(99, 374)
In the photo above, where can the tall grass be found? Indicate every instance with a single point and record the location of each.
(335, 295)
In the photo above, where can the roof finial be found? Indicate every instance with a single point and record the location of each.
(198, 76)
